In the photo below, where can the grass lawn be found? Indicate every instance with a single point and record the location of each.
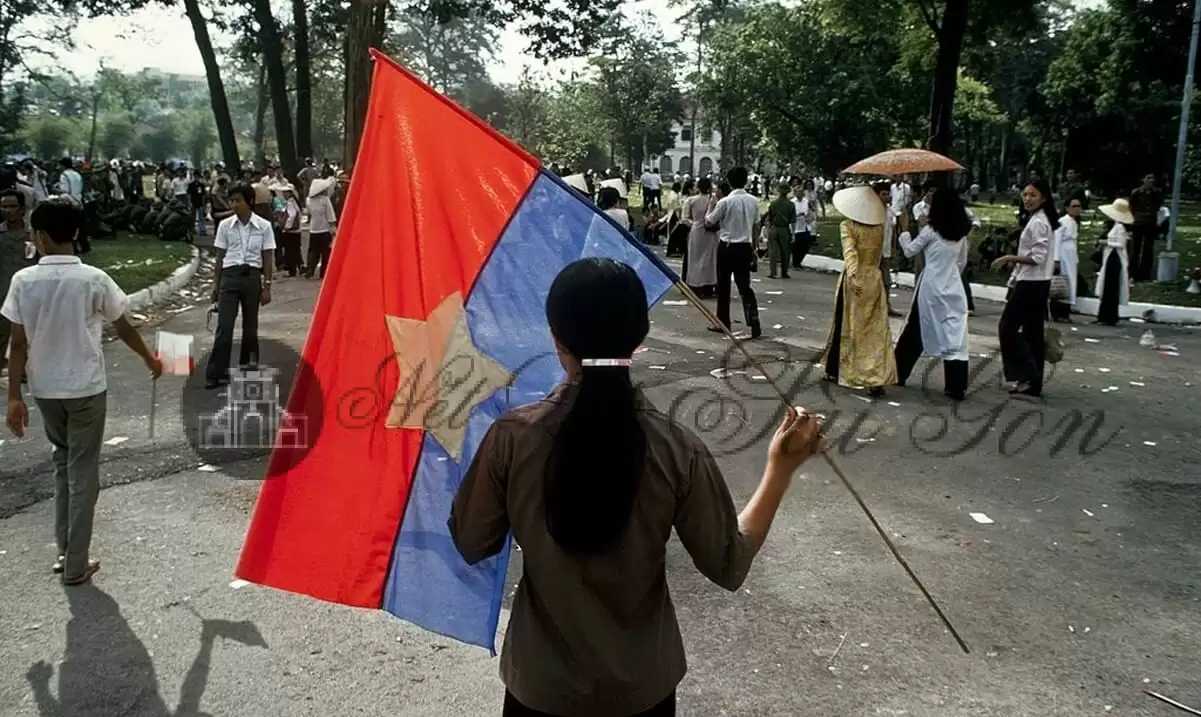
(136, 262)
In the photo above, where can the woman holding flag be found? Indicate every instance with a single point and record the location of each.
(593, 630)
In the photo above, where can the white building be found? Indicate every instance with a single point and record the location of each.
(678, 159)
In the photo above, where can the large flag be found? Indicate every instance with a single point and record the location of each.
(430, 324)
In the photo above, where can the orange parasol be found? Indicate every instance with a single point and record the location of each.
(903, 161)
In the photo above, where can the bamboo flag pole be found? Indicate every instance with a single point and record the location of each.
(1174, 703)
(700, 305)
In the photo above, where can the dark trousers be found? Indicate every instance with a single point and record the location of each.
(736, 259)
(291, 260)
(967, 289)
(241, 287)
(1021, 333)
(1107, 312)
(319, 253)
(909, 349)
(1142, 252)
(513, 708)
(677, 240)
(650, 198)
(801, 244)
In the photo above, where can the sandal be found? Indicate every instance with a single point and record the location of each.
(58, 564)
(93, 567)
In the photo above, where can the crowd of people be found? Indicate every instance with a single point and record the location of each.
(716, 226)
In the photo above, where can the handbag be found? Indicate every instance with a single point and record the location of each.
(1053, 345)
(1061, 288)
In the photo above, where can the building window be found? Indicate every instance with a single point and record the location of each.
(685, 165)
(685, 134)
(706, 165)
(665, 165)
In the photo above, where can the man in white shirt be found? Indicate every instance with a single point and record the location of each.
(921, 210)
(900, 194)
(245, 245)
(652, 189)
(70, 182)
(179, 185)
(734, 217)
(57, 309)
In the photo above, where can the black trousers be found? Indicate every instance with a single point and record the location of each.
(650, 198)
(241, 288)
(319, 253)
(677, 240)
(909, 349)
(736, 260)
(513, 708)
(291, 260)
(1142, 252)
(801, 244)
(967, 289)
(1107, 312)
(1021, 333)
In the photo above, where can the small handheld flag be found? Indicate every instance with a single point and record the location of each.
(175, 351)
(430, 324)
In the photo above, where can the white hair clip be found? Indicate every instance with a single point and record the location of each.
(605, 363)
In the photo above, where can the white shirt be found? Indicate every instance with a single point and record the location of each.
(621, 216)
(735, 216)
(63, 304)
(1065, 237)
(1035, 244)
(902, 193)
(244, 243)
(321, 215)
(71, 183)
(802, 216)
(652, 181)
(921, 210)
(179, 186)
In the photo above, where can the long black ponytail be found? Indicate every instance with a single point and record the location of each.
(597, 310)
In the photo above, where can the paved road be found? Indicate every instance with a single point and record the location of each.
(1083, 591)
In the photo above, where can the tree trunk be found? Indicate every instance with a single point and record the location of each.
(1003, 169)
(361, 35)
(304, 80)
(212, 71)
(946, 75)
(95, 115)
(277, 80)
(260, 119)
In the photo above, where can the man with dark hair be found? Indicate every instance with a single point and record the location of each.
(57, 309)
(198, 194)
(1144, 205)
(734, 218)
(14, 254)
(245, 245)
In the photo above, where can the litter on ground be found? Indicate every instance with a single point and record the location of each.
(981, 518)
(116, 440)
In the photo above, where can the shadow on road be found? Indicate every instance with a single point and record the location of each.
(108, 671)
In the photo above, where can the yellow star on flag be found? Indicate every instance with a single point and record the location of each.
(443, 376)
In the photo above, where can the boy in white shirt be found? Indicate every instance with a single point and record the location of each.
(57, 309)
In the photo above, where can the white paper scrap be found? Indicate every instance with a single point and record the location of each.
(775, 293)
(206, 468)
(758, 377)
(1103, 370)
(1140, 384)
(116, 440)
(1087, 512)
(894, 404)
(1092, 341)
(675, 303)
(777, 327)
(1079, 370)
(1150, 443)
(238, 584)
(981, 518)
(657, 368)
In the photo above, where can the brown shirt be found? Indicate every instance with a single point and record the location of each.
(596, 636)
